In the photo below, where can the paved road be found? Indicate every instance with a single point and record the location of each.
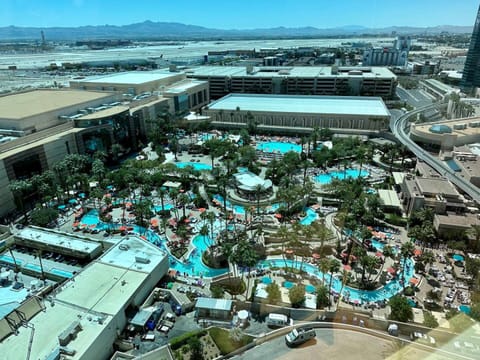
(334, 344)
(398, 127)
(414, 97)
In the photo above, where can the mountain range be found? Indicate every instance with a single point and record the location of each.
(149, 30)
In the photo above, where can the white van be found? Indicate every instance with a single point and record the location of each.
(299, 336)
(278, 320)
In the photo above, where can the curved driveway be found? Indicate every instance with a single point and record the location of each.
(399, 126)
(335, 344)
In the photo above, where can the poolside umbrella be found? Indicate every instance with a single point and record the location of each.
(347, 267)
(154, 222)
(414, 281)
(122, 228)
(391, 270)
(417, 252)
(278, 216)
(202, 210)
(83, 226)
(72, 201)
(316, 256)
(75, 224)
(289, 251)
(92, 226)
(82, 195)
(378, 254)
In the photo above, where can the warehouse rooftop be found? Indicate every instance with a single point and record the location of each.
(344, 105)
(32, 103)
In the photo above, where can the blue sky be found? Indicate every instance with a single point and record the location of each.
(240, 14)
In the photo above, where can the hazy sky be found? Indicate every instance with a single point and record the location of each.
(240, 14)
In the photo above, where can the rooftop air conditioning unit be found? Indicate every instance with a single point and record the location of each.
(142, 260)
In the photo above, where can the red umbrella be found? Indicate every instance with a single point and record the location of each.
(347, 267)
(417, 252)
(378, 254)
(391, 270)
(75, 224)
(414, 281)
(289, 251)
(316, 256)
(278, 216)
(202, 210)
(122, 228)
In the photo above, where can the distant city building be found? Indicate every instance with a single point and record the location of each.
(396, 55)
(471, 71)
(436, 88)
(424, 67)
(297, 80)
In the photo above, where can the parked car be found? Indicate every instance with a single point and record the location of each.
(422, 338)
(278, 320)
(299, 336)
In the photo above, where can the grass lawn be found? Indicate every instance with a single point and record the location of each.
(225, 343)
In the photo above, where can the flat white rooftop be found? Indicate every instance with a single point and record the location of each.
(291, 71)
(48, 325)
(303, 104)
(58, 239)
(101, 287)
(131, 77)
(133, 253)
(184, 86)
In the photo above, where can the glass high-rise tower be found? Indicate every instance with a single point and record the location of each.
(471, 71)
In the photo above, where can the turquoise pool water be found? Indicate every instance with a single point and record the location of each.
(62, 273)
(196, 166)
(158, 208)
(277, 146)
(349, 173)
(33, 267)
(310, 218)
(8, 259)
(194, 265)
(465, 309)
(287, 284)
(91, 218)
(310, 288)
(267, 280)
(390, 289)
(458, 257)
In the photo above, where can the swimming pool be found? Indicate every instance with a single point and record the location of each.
(310, 288)
(390, 289)
(9, 260)
(458, 257)
(91, 218)
(194, 265)
(158, 208)
(327, 178)
(277, 146)
(465, 309)
(288, 284)
(196, 166)
(310, 218)
(62, 273)
(267, 280)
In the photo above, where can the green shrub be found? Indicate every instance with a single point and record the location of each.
(179, 341)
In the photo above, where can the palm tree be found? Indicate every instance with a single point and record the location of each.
(247, 257)
(210, 216)
(183, 199)
(324, 266)
(345, 277)
(334, 267)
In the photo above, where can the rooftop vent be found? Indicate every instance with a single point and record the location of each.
(142, 260)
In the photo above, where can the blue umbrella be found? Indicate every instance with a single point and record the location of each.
(82, 195)
(61, 207)
(72, 201)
